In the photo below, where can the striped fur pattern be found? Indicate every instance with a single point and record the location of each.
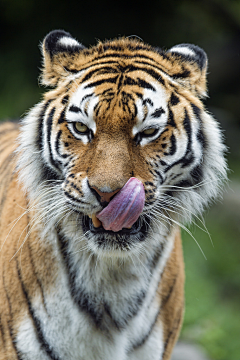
(70, 289)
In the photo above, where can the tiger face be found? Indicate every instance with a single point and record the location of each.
(122, 110)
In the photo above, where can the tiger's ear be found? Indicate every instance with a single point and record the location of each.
(59, 50)
(190, 63)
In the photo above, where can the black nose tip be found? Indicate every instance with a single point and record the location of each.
(104, 203)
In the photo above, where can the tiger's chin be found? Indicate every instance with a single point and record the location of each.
(109, 242)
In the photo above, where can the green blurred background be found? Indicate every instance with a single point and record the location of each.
(212, 316)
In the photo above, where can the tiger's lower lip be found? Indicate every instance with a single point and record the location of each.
(97, 223)
(88, 221)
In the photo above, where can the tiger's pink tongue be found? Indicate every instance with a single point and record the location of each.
(124, 209)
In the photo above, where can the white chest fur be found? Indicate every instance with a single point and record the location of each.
(111, 317)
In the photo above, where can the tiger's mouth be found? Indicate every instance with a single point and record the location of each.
(138, 230)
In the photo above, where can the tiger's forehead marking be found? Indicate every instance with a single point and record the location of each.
(152, 110)
(150, 103)
(81, 107)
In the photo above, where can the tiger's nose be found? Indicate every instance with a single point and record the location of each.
(104, 197)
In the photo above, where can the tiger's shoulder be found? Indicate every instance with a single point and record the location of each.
(8, 144)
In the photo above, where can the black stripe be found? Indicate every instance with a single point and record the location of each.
(65, 99)
(188, 158)
(97, 108)
(125, 99)
(174, 329)
(100, 67)
(117, 325)
(49, 132)
(49, 127)
(2, 332)
(159, 175)
(44, 345)
(157, 113)
(61, 118)
(102, 81)
(74, 109)
(153, 265)
(35, 273)
(167, 297)
(156, 66)
(127, 96)
(57, 145)
(107, 70)
(181, 75)
(39, 138)
(74, 71)
(197, 174)
(47, 173)
(151, 72)
(138, 82)
(73, 198)
(18, 353)
(187, 126)
(120, 82)
(142, 341)
(163, 163)
(171, 120)
(174, 100)
(157, 254)
(147, 101)
(173, 147)
(96, 70)
(139, 95)
(200, 135)
(9, 322)
(183, 184)
(145, 84)
(85, 97)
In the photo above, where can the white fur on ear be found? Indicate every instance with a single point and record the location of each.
(182, 50)
(68, 42)
(191, 53)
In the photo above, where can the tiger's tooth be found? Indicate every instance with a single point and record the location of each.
(96, 222)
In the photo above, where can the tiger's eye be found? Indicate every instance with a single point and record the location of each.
(81, 127)
(149, 131)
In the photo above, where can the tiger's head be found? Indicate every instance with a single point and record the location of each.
(121, 110)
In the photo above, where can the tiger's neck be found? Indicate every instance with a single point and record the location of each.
(100, 286)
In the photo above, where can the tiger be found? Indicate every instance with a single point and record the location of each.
(96, 182)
